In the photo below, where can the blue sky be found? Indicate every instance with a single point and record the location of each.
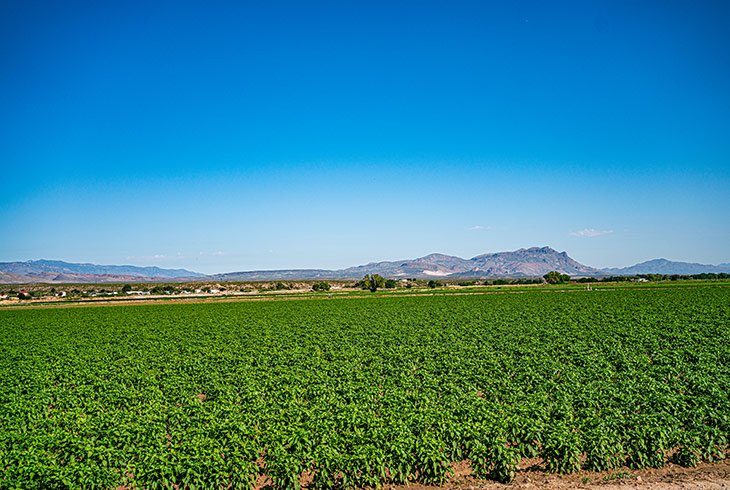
(247, 135)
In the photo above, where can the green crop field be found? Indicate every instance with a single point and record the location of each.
(362, 391)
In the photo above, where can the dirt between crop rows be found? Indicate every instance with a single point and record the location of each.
(532, 475)
(702, 477)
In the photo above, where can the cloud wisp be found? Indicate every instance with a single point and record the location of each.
(479, 228)
(590, 233)
(217, 253)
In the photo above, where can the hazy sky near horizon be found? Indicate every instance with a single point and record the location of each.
(222, 136)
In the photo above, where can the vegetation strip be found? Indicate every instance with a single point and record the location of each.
(294, 295)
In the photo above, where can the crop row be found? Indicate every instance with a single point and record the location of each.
(361, 392)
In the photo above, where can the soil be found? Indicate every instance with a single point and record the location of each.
(704, 476)
(532, 475)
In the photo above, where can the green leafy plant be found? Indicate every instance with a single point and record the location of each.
(363, 392)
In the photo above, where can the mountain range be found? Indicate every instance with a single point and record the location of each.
(65, 272)
(664, 266)
(525, 262)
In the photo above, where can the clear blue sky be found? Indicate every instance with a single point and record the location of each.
(223, 136)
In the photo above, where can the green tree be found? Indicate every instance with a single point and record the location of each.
(321, 286)
(555, 277)
(434, 284)
(126, 288)
(372, 282)
(390, 284)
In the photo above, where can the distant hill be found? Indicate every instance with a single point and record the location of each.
(664, 266)
(525, 262)
(276, 275)
(59, 271)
